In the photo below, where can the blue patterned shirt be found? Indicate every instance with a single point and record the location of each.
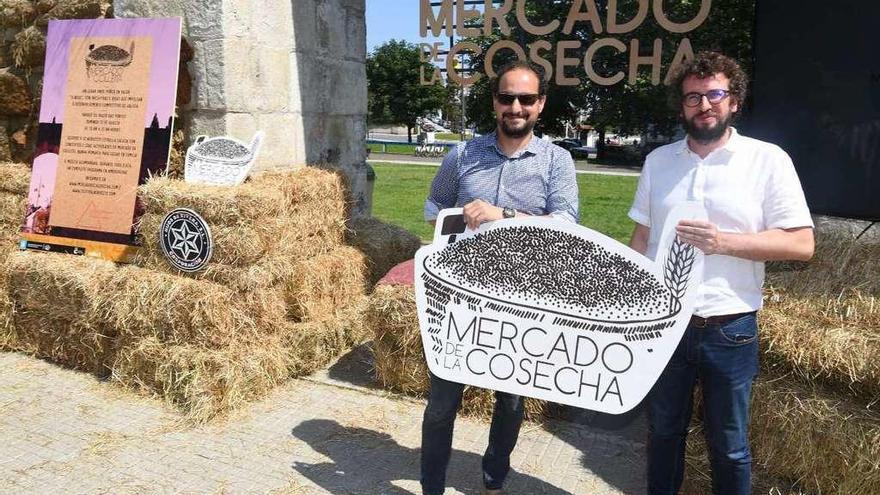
(538, 180)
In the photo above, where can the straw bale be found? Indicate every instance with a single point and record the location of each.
(181, 310)
(8, 338)
(57, 286)
(138, 303)
(263, 275)
(247, 243)
(840, 263)
(805, 432)
(306, 185)
(309, 346)
(835, 340)
(303, 191)
(15, 178)
(698, 477)
(399, 361)
(384, 245)
(12, 208)
(204, 383)
(29, 47)
(77, 344)
(317, 286)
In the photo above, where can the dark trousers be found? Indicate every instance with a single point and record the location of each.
(725, 360)
(437, 427)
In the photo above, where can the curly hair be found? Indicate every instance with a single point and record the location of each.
(703, 65)
(520, 64)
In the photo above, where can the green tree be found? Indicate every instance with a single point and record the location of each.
(624, 107)
(395, 93)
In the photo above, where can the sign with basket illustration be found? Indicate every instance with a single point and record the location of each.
(221, 161)
(106, 120)
(549, 309)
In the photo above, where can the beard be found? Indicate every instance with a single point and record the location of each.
(706, 134)
(515, 132)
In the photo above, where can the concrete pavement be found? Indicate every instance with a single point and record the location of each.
(333, 433)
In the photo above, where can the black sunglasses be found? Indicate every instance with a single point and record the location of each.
(525, 100)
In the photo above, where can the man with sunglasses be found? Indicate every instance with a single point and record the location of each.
(505, 174)
(756, 213)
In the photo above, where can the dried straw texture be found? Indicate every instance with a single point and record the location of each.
(399, 361)
(834, 340)
(698, 477)
(141, 303)
(206, 382)
(398, 358)
(202, 382)
(315, 193)
(839, 264)
(822, 318)
(317, 286)
(805, 432)
(12, 208)
(8, 338)
(76, 344)
(14, 184)
(247, 243)
(15, 178)
(383, 244)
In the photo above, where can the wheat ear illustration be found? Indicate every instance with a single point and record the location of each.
(677, 271)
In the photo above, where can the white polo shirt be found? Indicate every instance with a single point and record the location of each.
(746, 186)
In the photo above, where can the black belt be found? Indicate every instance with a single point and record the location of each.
(700, 322)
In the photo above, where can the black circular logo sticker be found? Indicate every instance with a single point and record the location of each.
(186, 240)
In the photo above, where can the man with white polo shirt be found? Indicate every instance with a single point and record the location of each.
(756, 213)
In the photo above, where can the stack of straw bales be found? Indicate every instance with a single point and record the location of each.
(14, 183)
(392, 320)
(815, 416)
(280, 298)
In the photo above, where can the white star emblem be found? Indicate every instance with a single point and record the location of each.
(185, 242)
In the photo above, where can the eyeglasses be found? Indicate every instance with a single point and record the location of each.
(525, 100)
(713, 96)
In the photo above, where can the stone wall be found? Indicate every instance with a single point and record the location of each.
(23, 26)
(292, 68)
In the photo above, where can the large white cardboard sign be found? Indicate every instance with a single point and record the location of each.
(545, 308)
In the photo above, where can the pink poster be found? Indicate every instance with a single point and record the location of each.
(106, 121)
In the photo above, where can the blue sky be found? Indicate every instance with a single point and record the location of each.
(397, 19)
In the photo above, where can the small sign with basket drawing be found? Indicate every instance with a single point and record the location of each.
(221, 161)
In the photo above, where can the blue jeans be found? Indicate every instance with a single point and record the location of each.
(437, 429)
(725, 360)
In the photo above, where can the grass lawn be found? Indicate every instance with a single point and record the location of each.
(400, 191)
(450, 136)
(399, 148)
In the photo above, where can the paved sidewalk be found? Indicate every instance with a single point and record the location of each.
(67, 432)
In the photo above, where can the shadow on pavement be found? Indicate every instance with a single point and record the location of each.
(364, 461)
(618, 456)
(355, 368)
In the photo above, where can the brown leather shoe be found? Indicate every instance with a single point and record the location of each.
(489, 491)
